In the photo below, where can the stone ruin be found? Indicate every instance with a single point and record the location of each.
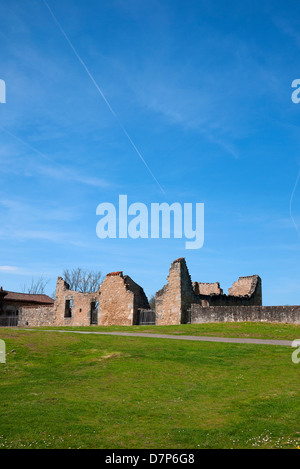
(121, 301)
(174, 300)
(117, 302)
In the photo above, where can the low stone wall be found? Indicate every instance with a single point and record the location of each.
(281, 314)
(36, 317)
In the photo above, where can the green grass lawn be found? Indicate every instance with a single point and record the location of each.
(88, 391)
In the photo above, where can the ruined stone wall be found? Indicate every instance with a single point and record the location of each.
(245, 291)
(228, 300)
(243, 286)
(187, 292)
(201, 288)
(120, 299)
(81, 313)
(247, 287)
(40, 316)
(119, 303)
(255, 313)
(140, 300)
(168, 299)
(174, 299)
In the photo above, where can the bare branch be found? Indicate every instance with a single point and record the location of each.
(84, 281)
(37, 286)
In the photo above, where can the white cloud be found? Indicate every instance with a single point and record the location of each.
(9, 269)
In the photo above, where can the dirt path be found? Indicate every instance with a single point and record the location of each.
(285, 343)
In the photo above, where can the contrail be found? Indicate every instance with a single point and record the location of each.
(291, 199)
(101, 93)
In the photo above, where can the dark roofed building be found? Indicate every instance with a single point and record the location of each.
(12, 302)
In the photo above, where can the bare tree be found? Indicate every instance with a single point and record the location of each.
(37, 286)
(152, 302)
(85, 281)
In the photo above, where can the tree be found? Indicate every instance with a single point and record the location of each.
(84, 281)
(37, 286)
(152, 302)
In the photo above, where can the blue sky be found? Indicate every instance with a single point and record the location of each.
(203, 89)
